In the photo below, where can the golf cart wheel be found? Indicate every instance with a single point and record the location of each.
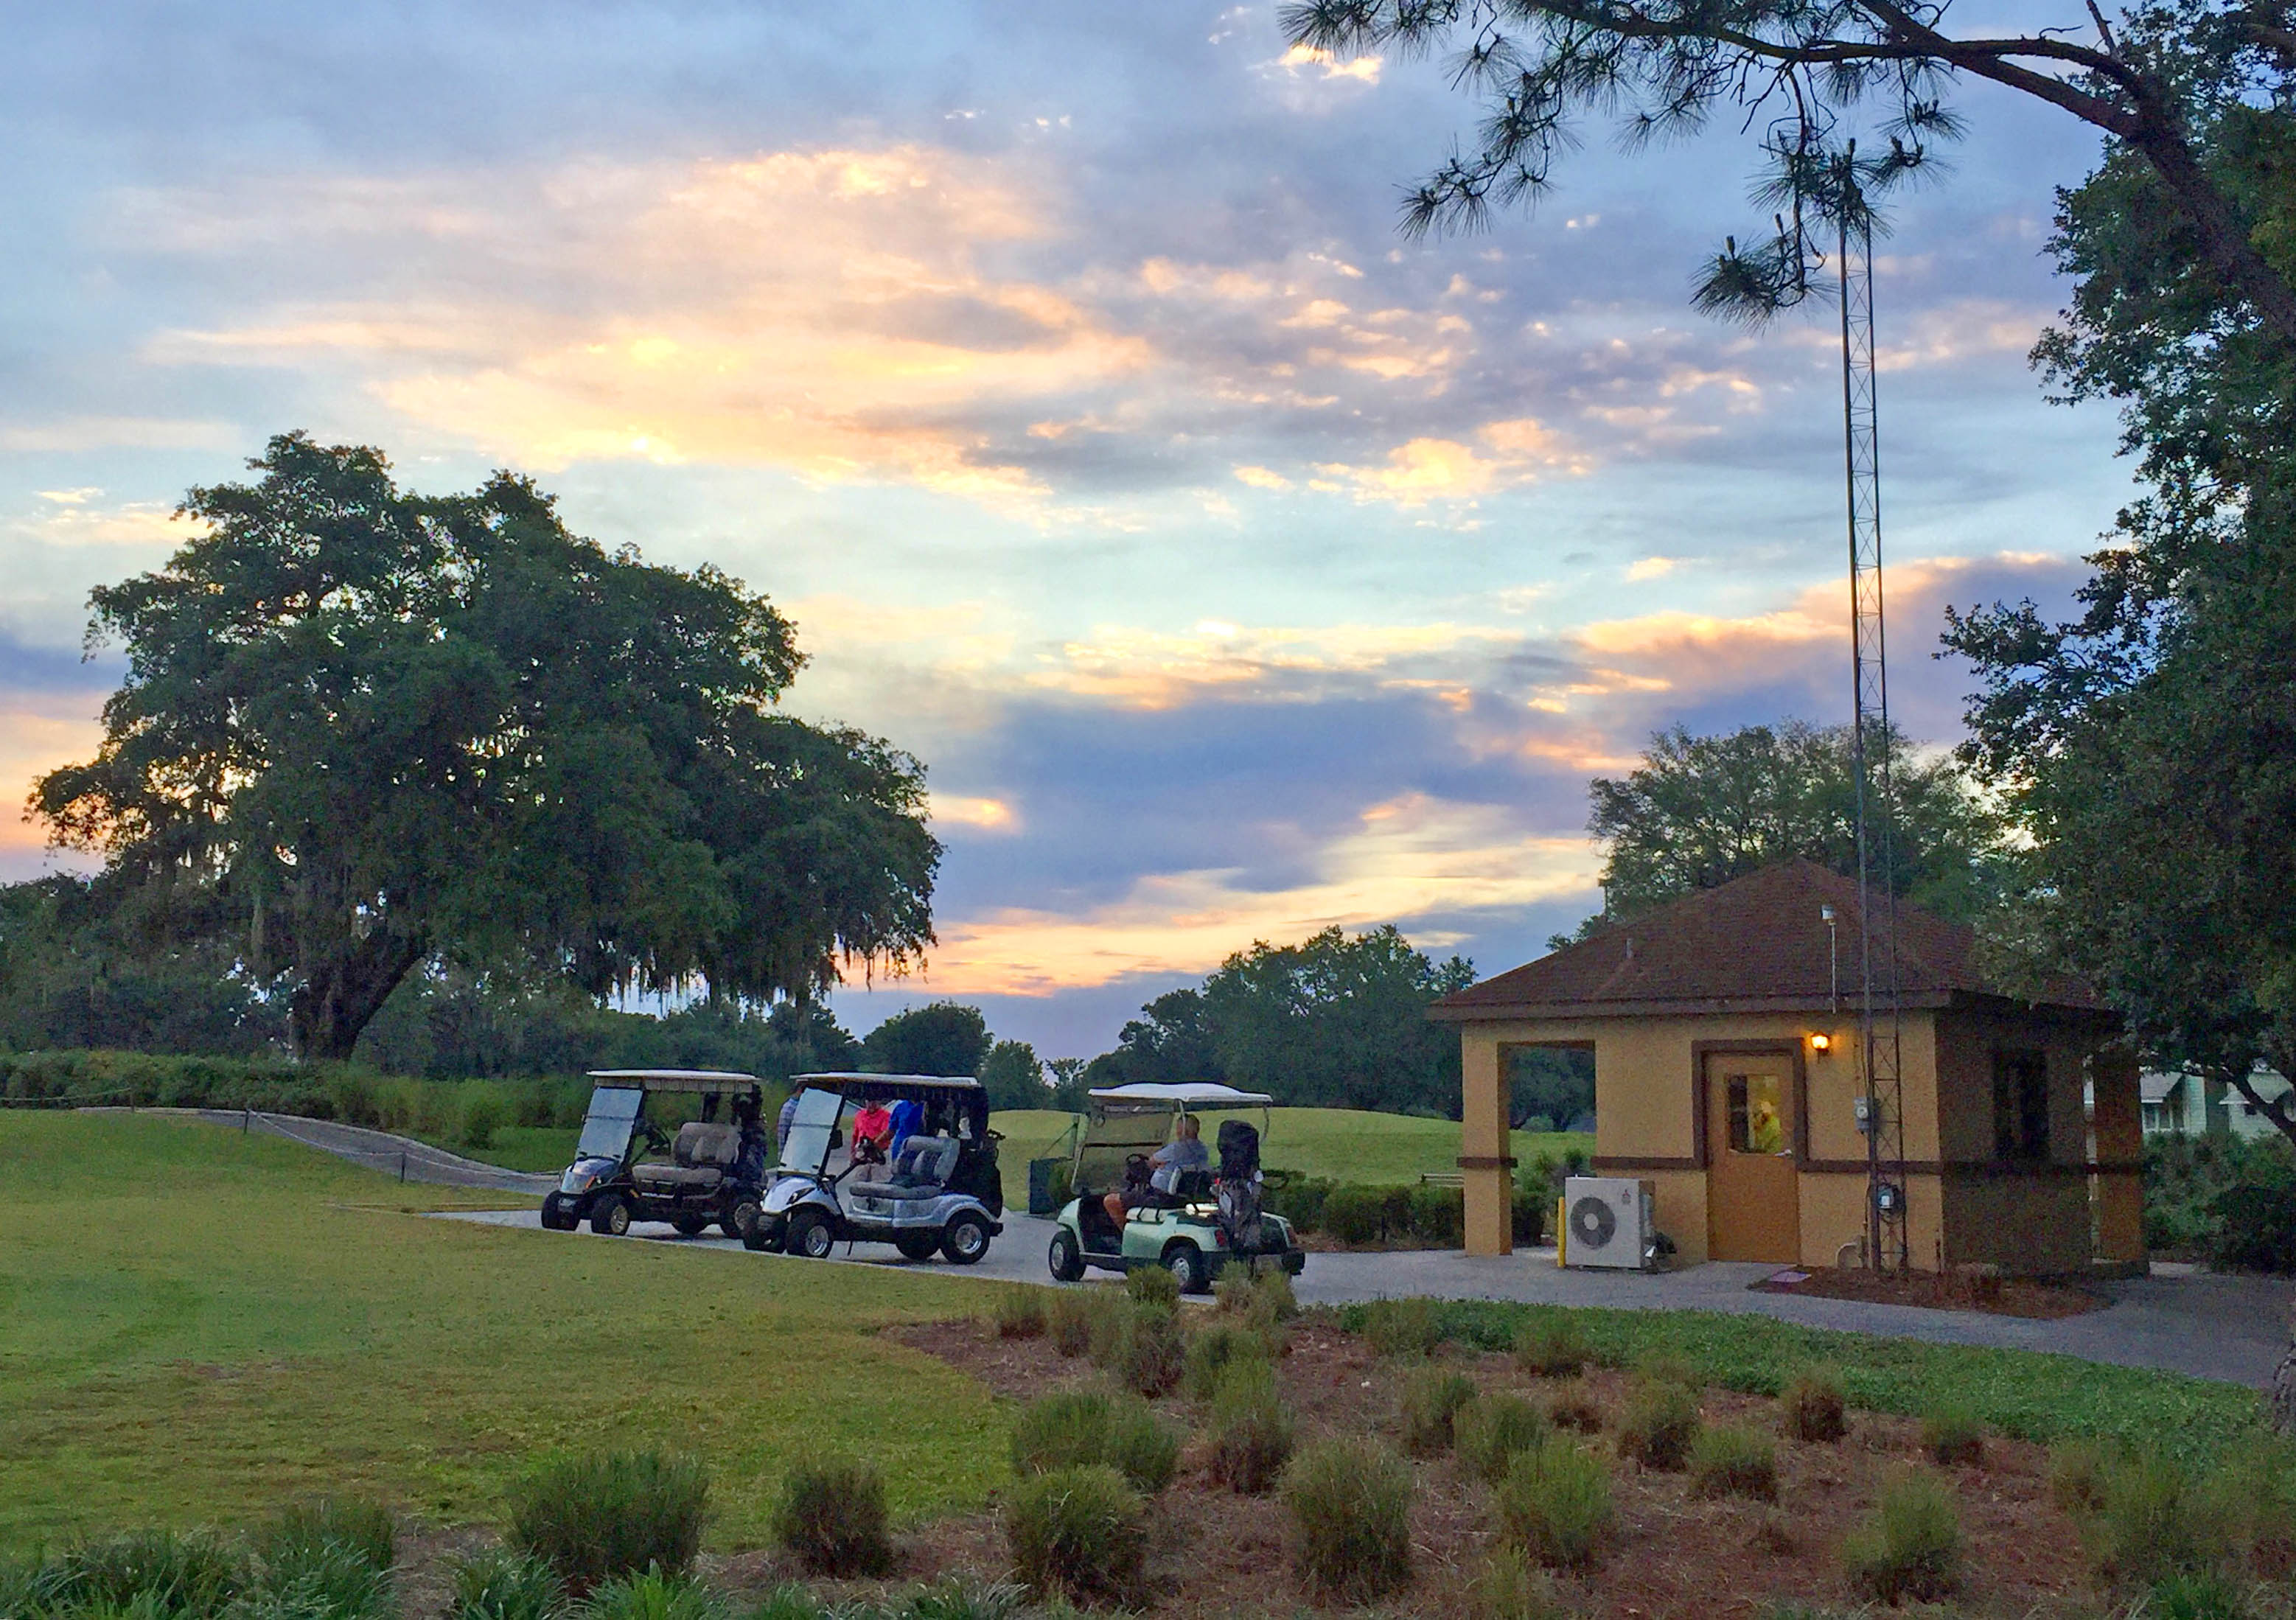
(609, 1217)
(688, 1226)
(553, 1214)
(1185, 1261)
(1065, 1257)
(916, 1245)
(742, 1220)
(964, 1239)
(810, 1235)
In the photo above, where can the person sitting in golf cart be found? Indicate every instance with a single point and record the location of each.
(873, 1134)
(1184, 1152)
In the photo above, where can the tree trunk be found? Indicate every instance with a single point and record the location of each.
(2279, 1402)
(341, 994)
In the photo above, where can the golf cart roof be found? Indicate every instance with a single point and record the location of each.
(711, 1081)
(846, 1084)
(1150, 1096)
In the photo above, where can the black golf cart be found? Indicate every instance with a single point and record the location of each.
(716, 1168)
(934, 1189)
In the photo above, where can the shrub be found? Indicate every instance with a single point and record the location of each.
(2203, 1596)
(1152, 1285)
(483, 1116)
(1019, 1313)
(1951, 1436)
(1911, 1545)
(1356, 1214)
(1250, 1436)
(1112, 1309)
(654, 1596)
(1212, 1350)
(2255, 1229)
(1729, 1461)
(1402, 1326)
(594, 1516)
(308, 1580)
(1086, 1428)
(1549, 1345)
(1271, 1288)
(1077, 1534)
(1431, 1399)
(499, 1585)
(1350, 1507)
(1816, 1405)
(1505, 1586)
(832, 1519)
(1531, 1207)
(2249, 1503)
(1299, 1200)
(1554, 1505)
(1659, 1424)
(355, 1525)
(1069, 1317)
(1146, 1349)
(2077, 1475)
(2146, 1525)
(1491, 1430)
(1573, 1405)
(1439, 1216)
(174, 1574)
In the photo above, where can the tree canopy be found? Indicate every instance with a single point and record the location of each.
(363, 729)
(939, 1038)
(1698, 812)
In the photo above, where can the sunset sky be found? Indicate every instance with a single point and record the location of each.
(1237, 567)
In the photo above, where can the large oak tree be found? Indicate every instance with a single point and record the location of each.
(363, 728)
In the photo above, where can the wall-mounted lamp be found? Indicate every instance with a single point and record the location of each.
(1821, 1043)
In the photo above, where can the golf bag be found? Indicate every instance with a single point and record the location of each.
(1237, 1188)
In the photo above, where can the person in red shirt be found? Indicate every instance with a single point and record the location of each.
(873, 1133)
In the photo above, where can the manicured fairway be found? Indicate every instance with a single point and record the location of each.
(196, 1325)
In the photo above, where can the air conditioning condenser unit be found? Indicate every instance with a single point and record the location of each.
(1609, 1222)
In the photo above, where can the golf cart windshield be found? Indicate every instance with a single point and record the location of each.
(806, 1150)
(606, 1130)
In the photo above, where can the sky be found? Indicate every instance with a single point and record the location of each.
(1237, 567)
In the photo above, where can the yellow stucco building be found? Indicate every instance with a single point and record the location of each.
(1724, 1029)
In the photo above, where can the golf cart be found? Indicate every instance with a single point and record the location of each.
(716, 1168)
(934, 1188)
(1208, 1218)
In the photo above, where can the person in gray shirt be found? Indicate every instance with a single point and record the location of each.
(1184, 1152)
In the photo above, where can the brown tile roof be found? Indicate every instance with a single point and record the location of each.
(1759, 941)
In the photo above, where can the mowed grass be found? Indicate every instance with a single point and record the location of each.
(196, 1326)
(1345, 1145)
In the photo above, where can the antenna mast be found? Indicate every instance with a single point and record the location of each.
(1879, 1046)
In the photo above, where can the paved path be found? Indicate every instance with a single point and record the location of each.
(401, 1156)
(2233, 1329)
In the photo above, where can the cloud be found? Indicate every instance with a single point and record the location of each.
(1650, 567)
(1320, 66)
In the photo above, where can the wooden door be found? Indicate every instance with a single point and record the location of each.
(1753, 1205)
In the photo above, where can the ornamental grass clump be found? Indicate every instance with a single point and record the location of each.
(500, 1584)
(594, 1516)
(1147, 1350)
(831, 1518)
(1951, 1434)
(1078, 1535)
(1250, 1436)
(1550, 1345)
(1431, 1399)
(1555, 1506)
(313, 1579)
(1910, 1547)
(1019, 1313)
(1491, 1430)
(2248, 1501)
(355, 1525)
(1069, 1319)
(1402, 1326)
(193, 1576)
(652, 1595)
(1731, 1461)
(1152, 1285)
(1816, 1406)
(1573, 1405)
(2148, 1523)
(1507, 1586)
(1349, 1501)
(1211, 1350)
(1659, 1423)
(1074, 1429)
(2077, 1470)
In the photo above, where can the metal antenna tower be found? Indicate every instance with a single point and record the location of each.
(1879, 1046)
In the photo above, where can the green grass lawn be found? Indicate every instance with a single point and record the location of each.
(1346, 1144)
(196, 1325)
(544, 1150)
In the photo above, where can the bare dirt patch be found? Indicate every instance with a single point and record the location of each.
(1215, 1554)
(1940, 1291)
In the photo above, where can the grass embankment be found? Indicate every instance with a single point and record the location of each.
(1344, 1144)
(2020, 1393)
(196, 1326)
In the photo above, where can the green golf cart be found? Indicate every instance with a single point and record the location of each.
(1205, 1220)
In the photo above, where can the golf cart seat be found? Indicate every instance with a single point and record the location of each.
(699, 1159)
(921, 1169)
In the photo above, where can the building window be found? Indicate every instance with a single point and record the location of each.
(1756, 1114)
(2020, 1105)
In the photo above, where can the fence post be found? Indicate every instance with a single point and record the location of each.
(402, 1169)
(246, 1121)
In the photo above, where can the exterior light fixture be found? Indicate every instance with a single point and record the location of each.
(1821, 1043)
